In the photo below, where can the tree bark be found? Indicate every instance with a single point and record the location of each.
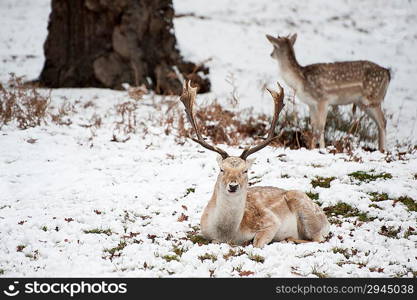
(105, 43)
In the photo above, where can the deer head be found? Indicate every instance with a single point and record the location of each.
(233, 176)
(282, 45)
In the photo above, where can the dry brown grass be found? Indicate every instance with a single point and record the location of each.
(23, 104)
(63, 114)
(127, 112)
(226, 127)
(222, 124)
(127, 123)
(235, 128)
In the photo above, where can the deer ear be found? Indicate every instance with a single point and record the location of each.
(249, 162)
(219, 160)
(274, 41)
(293, 38)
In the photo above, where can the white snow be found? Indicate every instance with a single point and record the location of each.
(73, 179)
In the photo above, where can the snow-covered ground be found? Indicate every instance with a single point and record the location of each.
(75, 203)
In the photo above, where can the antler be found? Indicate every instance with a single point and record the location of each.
(278, 106)
(188, 99)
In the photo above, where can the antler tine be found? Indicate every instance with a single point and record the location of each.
(188, 99)
(278, 98)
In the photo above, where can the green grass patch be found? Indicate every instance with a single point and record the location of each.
(343, 251)
(312, 195)
(1, 272)
(318, 273)
(316, 165)
(340, 209)
(44, 228)
(410, 231)
(196, 238)
(207, 256)
(33, 256)
(189, 191)
(98, 231)
(315, 197)
(390, 231)
(323, 182)
(179, 251)
(364, 176)
(376, 197)
(233, 253)
(335, 221)
(346, 210)
(118, 248)
(169, 258)
(257, 258)
(363, 217)
(409, 202)
(375, 206)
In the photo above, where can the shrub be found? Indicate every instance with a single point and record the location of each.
(22, 104)
(224, 126)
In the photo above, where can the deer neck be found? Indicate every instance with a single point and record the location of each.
(228, 213)
(290, 70)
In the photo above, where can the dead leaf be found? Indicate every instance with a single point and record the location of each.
(31, 141)
(246, 273)
(182, 218)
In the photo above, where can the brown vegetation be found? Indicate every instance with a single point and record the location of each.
(22, 104)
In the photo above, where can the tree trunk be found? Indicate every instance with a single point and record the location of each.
(105, 43)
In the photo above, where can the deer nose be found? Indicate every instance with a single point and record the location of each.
(233, 187)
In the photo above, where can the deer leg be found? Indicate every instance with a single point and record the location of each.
(321, 121)
(318, 115)
(313, 120)
(297, 241)
(264, 236)
(376, 114)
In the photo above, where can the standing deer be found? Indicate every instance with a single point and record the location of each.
(362, 83)
(237, 214)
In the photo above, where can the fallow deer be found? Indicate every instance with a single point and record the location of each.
(362, 83)
(237, 213)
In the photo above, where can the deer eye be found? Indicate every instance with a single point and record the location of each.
(245, 172)
(221, 170)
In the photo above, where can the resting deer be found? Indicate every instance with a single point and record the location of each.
(237, 214)
(362, 83)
